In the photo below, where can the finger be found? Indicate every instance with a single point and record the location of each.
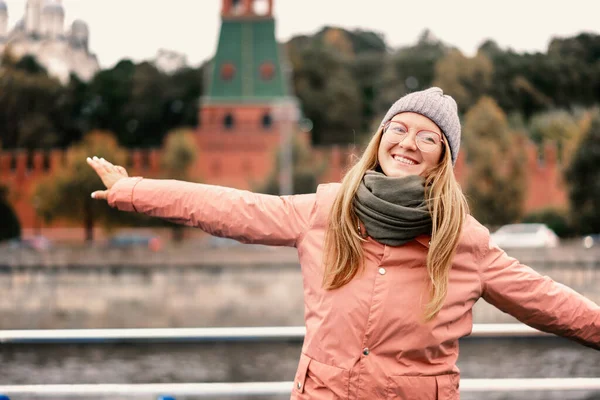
(95, 164)
(100, 195)
(108, 167)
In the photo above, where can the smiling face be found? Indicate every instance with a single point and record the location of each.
(406, 158)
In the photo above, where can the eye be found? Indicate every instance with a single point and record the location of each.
(397, 128)
(429, 137)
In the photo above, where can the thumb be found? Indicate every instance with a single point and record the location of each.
(100, 195)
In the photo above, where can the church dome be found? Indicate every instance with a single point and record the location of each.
(79, 28)
(53, 7)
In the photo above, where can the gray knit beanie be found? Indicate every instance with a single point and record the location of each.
(438, 107)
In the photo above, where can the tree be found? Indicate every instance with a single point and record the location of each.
(180, 152)
(408, 69)
(305, 175)
(66, 193)
(496, 185)
(558, 126)
(583, 178)
(28, 103)
(10, 228)
(330, 97)
(465, 79)
(140, 104)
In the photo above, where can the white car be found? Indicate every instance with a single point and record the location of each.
(525, 236)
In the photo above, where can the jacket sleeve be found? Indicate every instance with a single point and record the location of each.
(226, 212)
(537, 300)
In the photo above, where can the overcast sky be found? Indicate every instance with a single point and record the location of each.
(136, 29)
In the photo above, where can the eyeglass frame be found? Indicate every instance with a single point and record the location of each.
(388, 123)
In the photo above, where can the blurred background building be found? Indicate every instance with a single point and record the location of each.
(41, 32)
(249, 130)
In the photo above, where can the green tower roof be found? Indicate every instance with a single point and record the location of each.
(247, 67)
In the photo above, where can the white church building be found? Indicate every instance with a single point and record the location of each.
(41, 32)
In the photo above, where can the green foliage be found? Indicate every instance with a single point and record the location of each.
(10, 228)
(29, 101)
(497, 165)
(583, 177)
(465, 79)
(136, 101)
(409, 69)
(330, 97)
(141, 104)
(305, 174)
(180, 152)
(557, 126)
(66, 193)
(556, 220)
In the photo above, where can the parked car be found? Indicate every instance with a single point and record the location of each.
(525, 236)
(129, 240)
(37, 243)
(590, 241)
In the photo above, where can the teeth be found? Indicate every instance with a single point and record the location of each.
(404, 160)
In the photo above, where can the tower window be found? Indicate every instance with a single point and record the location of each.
(237, 6)
(30, 163)
(267, 121)
(267, 70)
(227, 71)
(228, 121)
(46, 162)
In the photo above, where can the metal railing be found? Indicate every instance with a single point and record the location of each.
(277, 388)
(291, 333)
(245, 388)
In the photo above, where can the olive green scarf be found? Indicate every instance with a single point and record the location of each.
(393, 210)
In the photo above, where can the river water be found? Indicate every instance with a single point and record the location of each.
(250, 361)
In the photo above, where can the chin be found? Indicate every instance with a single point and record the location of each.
(400, 172)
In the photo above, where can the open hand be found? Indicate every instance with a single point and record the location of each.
(108, 173)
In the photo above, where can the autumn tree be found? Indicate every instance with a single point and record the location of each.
(464, 78)
(583, 178)
(559, 127)
(496, 186)
(66, 192)
(180, 152)
(306, 170)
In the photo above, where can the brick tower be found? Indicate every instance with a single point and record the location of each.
(248, 109)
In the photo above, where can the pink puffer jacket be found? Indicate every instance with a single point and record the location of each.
(367, 340)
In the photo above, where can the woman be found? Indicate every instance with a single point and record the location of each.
(392, 262)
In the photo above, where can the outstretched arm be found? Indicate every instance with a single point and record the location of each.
(226, 212)
(538, 300)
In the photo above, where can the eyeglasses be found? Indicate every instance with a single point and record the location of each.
(427, 141)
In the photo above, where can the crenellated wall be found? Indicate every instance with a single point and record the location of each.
(245, 159)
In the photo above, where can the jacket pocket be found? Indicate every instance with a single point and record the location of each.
(317, 380)
(403, 387)
(440, 387)
(447, 386)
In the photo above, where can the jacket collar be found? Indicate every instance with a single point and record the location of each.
(425, 240)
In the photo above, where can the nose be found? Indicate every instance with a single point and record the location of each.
(409, 142)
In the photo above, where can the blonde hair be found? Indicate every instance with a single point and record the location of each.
(343, 254)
